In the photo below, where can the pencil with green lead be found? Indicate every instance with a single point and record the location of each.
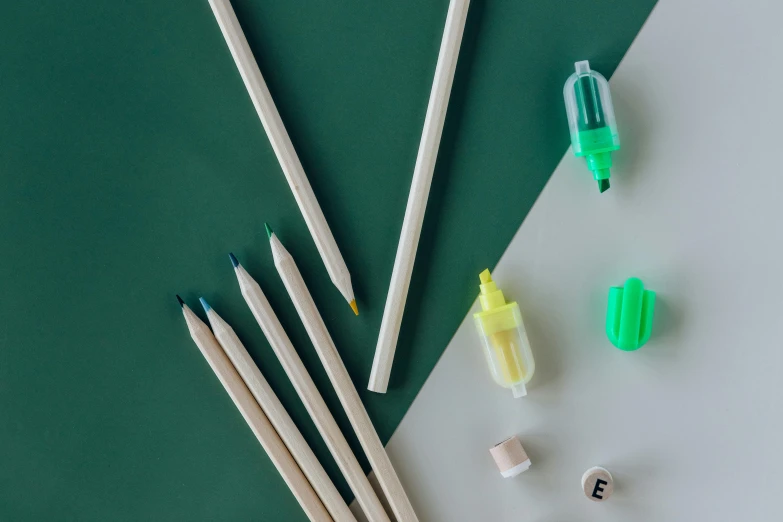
(341, 381)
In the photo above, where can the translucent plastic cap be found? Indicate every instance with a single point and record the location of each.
(589, 108)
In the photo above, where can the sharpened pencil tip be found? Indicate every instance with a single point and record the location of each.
(268, 230)
(181, 302)
(204, 304)
(234, 260)
(354, 307)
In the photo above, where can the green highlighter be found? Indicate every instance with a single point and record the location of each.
(629, 316)
(591, 120)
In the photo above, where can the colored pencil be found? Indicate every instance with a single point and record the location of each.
(341, 381)
(254, 417)
(278, 416)
(309, 394)
(284, 149)
(417, 199)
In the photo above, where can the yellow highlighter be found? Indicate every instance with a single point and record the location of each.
(503, 335)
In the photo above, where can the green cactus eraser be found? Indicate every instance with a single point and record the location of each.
(629, 316)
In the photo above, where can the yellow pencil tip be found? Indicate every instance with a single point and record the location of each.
(354, 308)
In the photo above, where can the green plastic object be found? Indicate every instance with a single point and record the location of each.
(629, 317)
(591, 120)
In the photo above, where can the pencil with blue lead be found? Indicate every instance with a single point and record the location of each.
(309, 394)
(278, 416)
(254, 416)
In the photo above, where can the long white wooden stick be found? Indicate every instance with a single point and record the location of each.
(417, 199)
(284, 149)
(309, 394)
(279, 418)
(341, 381)
(255, 418)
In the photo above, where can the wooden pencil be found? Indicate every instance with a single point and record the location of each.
(341, 381)
(255, 418)
(309, 394)
(278, 416)
(417, 198)
(284, 149)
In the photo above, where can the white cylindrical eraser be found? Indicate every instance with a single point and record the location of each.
(510, 457)
(516, 470)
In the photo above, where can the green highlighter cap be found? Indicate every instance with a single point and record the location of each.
(629, 317)
(591, 120)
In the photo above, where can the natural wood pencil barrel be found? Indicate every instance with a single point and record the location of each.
(279, 418)
(255, 418)
(417, 199)
(284, 149)
(310, 396)
(341, 381)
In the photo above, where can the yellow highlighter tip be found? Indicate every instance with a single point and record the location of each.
(485, 277)
(354, 308)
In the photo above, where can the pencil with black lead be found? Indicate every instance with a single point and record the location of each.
(254, 416)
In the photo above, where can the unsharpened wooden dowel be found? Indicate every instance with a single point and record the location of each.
(284, 149)
(254, 417)
(309, 394)
(341, 381)
(417, 198)
(279, 418)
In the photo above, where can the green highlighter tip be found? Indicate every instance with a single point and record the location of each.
(603, 185)
(268, 230)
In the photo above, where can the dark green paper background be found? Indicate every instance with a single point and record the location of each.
(132, 162)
